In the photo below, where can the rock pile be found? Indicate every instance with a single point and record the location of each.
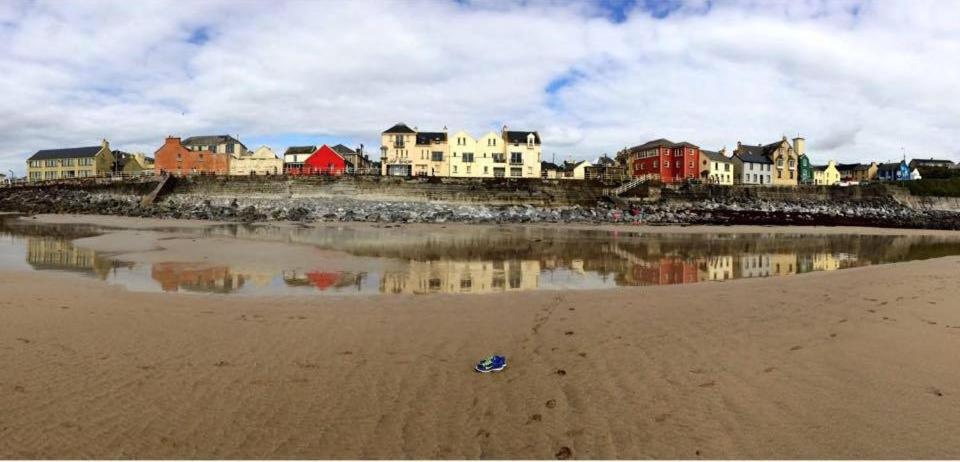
(867, 212)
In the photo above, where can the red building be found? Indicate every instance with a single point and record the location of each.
(665, 161)
(325, 161)
(176, 159)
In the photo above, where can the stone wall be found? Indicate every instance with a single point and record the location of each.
(469, 190)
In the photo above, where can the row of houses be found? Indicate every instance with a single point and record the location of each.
(213, 155)
(780, 163)
(408, 152)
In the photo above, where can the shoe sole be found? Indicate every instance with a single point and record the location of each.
(490, 370)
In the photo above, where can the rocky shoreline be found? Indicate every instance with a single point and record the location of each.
(876, 212)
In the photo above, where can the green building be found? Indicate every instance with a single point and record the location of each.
(806, 172)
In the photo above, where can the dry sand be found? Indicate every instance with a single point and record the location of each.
(860, 363)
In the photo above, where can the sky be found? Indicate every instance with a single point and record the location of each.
(859, 80)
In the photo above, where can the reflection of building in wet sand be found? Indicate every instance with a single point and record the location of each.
(323, 280)
(59, 254)
(754, 265)
(668, 270)
(201, 277)
(195, 277)
(716, 268)
(783, 264)
(443, 276)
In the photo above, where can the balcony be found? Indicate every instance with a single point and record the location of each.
(398, 145)
(499, 159)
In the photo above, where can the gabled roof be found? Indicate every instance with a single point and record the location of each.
(604, 161)
(66, 153)
(657, 143)
(544, 165)
(400, 127)
(931, 161)
(431, 137)
(856, 167)
(300, 150)
(714, 156)
(891, 166)
(519, 137)
(749, 156)
(343, 150)
(209, 140)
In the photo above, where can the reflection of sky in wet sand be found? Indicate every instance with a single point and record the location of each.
(469, 261)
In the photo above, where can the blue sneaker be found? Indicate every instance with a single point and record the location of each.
(492, 364)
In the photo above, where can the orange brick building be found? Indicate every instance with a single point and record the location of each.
(176, 159)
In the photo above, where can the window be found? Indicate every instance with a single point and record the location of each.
(436, 156)
(485, 171)
(655, 164)
(231, 148)
(454, 169)
(499, 172)
(516, 158)
(468, 169)
(50, 163)
(516, 171)
(499, 158)
(792, 164)
(791, 175)
(751, 165)
(691, 164)
(68, 162)
(468, 157)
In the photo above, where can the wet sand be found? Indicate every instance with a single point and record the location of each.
(859, 363)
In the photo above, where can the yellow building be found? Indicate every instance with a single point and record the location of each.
(716, 167)
(826, 175)
(262, 161)
(404, 151)
(133, 164)
(54, 164)
(465, 161)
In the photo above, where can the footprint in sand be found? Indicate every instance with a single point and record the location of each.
(221, 364)
(841, 321)
(796, 347)
(564, 453)
(64, 307)
(534, 418)
(572, 309)
(582, 354)
(483, 433)
(935, 391)
(19, 389)
(561, 372)
(661, 418)
(872, 311)
(769, 369)
(551, 403)
(569, 332)
(24, 340)
(833, 334)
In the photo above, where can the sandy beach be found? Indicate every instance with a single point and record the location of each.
(858, 363)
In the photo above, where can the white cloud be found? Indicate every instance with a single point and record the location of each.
(858, 79)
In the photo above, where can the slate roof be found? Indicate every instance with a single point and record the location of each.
(891, 167)
(660, 142)
(818, 167)
(714, 156)
(604, 161)
(855, 167)
(208, 140)
(930, 161)
(67, 153)
(752, 157)
(519, 137)
(400, 127)
(431, 137)
(544, 165)
(343, 150)
(300, 150)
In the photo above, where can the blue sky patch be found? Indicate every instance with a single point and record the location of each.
(199, 36)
